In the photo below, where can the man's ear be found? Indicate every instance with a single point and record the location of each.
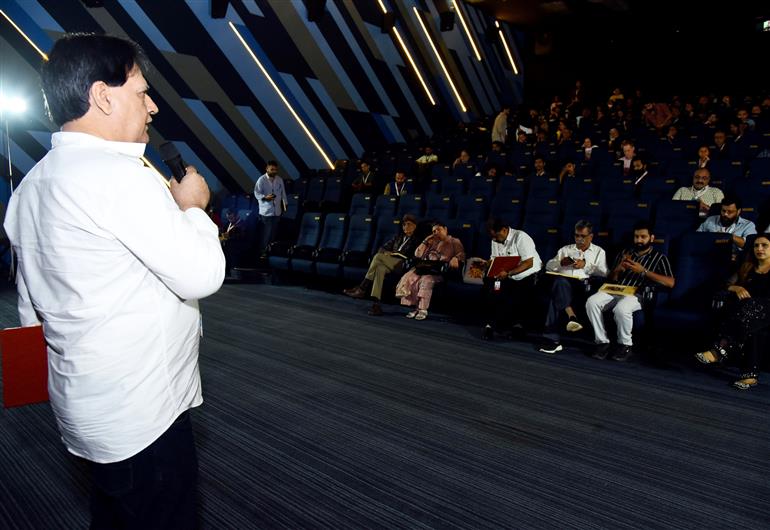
(99, 96)
(652, 238)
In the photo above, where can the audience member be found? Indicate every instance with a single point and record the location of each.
(505, 295)
(637, 267)
(229, 236)
(629, 153)
(638, 170)
(399, 186)
(574, 264)
(745, 316)
(568, 171)
(390, 258)
(704, 156)
(729, 221)
(539, 167)
(416, 286)
(463, 160)
(721, 149)
(366, 182)
(428, 157)
(700, 191)
(614, 143)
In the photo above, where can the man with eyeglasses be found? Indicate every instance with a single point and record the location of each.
(572, 265)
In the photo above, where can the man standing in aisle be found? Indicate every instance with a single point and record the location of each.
(500, 128)
(117, 297)
(271, 195)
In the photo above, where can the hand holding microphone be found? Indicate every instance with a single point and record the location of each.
(188, 187)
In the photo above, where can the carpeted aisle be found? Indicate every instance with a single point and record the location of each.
(318, 416)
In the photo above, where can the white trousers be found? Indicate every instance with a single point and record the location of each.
(622, 307)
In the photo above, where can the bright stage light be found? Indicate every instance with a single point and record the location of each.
(12, 105)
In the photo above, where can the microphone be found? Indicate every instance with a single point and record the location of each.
(171, 157)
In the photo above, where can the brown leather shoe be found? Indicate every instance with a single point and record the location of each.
(376, 310)
(355, 292)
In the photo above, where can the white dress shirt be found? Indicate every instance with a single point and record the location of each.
(113, 269)
(594, 256)
(518, 243)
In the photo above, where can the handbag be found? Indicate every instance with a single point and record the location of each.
(430, 266)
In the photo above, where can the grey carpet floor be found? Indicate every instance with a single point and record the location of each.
(318, 416)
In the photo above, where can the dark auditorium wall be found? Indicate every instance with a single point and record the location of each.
(659, 46)
(347, 79)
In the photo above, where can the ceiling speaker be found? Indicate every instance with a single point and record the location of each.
(388, 21)
(447, 20)
(315, 10)
(218, 8)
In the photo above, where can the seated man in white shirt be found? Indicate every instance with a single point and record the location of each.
(507, 295)
(573, 263)
(700, 191)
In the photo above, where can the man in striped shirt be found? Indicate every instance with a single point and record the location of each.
(637, 267)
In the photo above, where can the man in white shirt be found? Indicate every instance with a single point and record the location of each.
(271, 197)
(573, 264)
(112, 260)
(506, 296)
(700, 191)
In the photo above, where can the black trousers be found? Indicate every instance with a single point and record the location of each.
(154, 489)
(512, 304)
(742, 327)
(563, 291)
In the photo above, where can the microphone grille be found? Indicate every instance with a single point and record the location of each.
(168, 151)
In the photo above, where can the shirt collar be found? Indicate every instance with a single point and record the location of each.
(65, 139)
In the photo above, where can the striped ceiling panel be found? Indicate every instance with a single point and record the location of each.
(265, 82)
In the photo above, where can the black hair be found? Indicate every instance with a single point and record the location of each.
(643, 224)
(271, 163)
(729, 199)
(77, 61)
(496, 224)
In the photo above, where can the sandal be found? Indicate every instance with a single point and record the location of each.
(412, 314)
(711, 356)
(746, 381)
(422, 314)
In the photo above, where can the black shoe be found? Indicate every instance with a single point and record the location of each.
(601, 351)
(623, 354)
(550, 347)
(376, 310)
(487, 333)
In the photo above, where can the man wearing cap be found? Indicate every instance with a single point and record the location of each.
(389, 258)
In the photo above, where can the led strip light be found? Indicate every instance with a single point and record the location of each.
(280, 94)
(507, 49)
(409, 57)
(466, 28)
(440, 62)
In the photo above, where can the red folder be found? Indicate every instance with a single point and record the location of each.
(24, 365)
(502, 264)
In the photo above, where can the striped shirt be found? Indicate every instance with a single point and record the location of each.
(653, 261)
